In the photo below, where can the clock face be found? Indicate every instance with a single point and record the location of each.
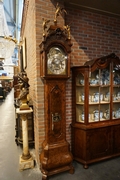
(56, 61)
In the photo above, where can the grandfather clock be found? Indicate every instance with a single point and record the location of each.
(55, 70)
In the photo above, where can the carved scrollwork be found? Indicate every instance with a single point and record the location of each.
(101, 62)
(44, 25)
(67, 30)
(105, 60)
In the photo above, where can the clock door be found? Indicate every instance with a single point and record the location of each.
(55, 96)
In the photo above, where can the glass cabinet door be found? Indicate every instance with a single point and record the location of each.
(116, 92)
(101, 101)
(80, 98)
(99, 95)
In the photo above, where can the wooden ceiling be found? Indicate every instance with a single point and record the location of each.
(111, 7)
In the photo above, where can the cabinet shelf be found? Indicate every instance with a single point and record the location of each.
(93, 103)
(116, 85)
(101, 102)
(102, 119)
(96, 110)
(79, 85)
(80, 103)
(116, 101)
(98, 85)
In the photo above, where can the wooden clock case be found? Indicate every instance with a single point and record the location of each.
(55, 156)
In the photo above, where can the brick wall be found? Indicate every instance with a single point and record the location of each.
(92, 35)
(29, 32)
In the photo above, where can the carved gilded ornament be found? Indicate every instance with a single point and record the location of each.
(66, 29)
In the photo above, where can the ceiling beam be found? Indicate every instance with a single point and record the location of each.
(109, 7)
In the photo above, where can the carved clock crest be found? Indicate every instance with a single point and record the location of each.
(55, 52)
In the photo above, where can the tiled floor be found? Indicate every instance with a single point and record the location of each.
(10, 152)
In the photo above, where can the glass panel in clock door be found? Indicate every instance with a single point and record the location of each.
(80, 98)
(116, 92)
(93, 115)
(105, 94)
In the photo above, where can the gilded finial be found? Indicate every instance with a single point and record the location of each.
(67, 28)
(58, 11)
(44, 25)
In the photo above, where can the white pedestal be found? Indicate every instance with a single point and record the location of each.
(26, 160)
(26, 164)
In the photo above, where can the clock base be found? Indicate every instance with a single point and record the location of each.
(55, 158)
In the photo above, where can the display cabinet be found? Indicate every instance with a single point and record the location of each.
(96, 110)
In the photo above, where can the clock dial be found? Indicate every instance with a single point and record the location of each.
(56, 61)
